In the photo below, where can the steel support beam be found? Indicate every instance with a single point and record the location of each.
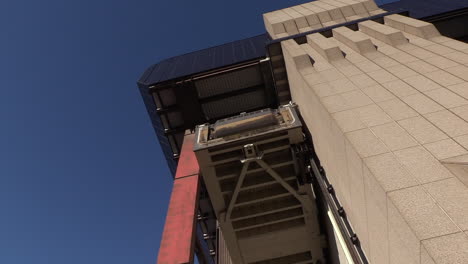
(178, 239)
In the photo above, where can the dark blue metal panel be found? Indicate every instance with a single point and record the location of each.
(205, 60)
(158, 128)
(426, 8)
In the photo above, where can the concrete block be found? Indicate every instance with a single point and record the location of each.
(389, 172)
(403, 245)
(425, 257)
(392, 52)
(345, 101)
(348, 120)
(314, 78)
(422, 104)
(281, 35)
(332, 75)
(455, 44)
(385, 61)
(305, 29)
(421, 66)
(452, 196)
(393, 136)
(337, 156)
(334, 12)
(361, 117)
(348, 70)
(345, 8)
(369, 5)
(421, 213)
(356, 99)
(439, 49)
(462, 140)
(377, 12)
(372, 115)
(376, 208)
(383, 33)
(316, 26)
(460, 71)
(403, 58)
(422, 83)
(368, 66)
(441, 62)
(323, 89)
(299, 19)
(401, 71)
(366, 143)
(445, 149)
(382, 76)
(311, 17)
(449, 123)
(321, 64)
(290, 26)
(423, 54)
(322, 14)
(459, 167)
(422, 130)
(443, 78)
(449, 249)
(336, 15)
(417, 40)
(410, 48)
(441, 39)
(355, 8)
(335, 103)
(326, 47)
(461, 111)
(352, 18)
(446, 98)
(335, 87)
(393, 22)
(352, 55)
(422, 165)
(357, 41)
(362, 81)
(398, 110)
(413, 26)
(300, 58)
(378, 93)
(400, 88)
(357, 195)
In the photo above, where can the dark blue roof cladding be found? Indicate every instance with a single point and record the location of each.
(426, 8)
(206, 59)
(158, 128)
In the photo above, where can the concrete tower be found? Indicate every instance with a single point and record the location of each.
(385, 100)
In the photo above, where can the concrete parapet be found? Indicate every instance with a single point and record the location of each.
(413, 26)
(317, 14)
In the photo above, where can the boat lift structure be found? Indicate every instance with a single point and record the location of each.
(248, 185)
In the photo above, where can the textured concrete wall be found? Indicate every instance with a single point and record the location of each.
(387, 108)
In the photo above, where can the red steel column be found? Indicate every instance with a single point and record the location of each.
(178, 239)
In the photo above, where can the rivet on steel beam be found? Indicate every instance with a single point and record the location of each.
(341, 211)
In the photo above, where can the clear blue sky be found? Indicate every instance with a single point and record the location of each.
(82, 177)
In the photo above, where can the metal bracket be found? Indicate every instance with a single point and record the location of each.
(235, 193)
(301, 153)
(251, 153)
